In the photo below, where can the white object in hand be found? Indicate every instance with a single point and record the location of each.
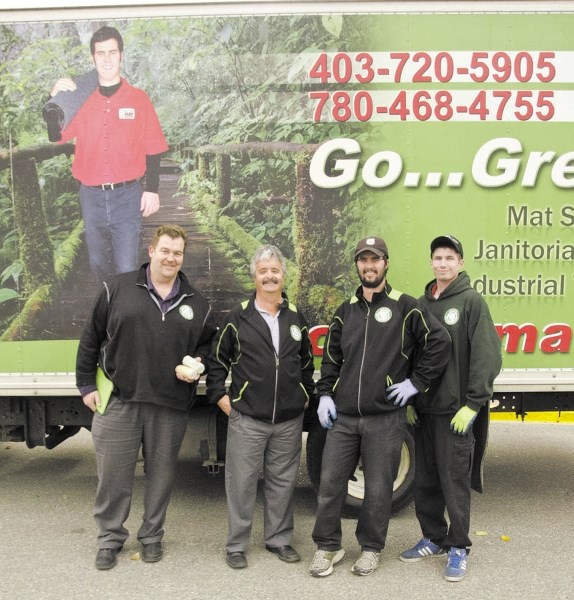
(190, 367)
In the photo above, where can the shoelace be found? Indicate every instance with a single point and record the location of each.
(422, 544)
(368, 559)
(456, 560)
(318, 559)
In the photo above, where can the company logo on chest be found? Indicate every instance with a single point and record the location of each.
(186, 312)
(383, 314)
(452, 316)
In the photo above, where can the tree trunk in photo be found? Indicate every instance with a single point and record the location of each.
(223, 168)
(310, 236)
(35, 247)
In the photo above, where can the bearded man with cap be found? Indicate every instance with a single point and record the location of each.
(452, 411)
(383, 347)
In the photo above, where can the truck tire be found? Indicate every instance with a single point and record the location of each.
(403, 489)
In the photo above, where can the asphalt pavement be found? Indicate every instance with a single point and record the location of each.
(522, 529)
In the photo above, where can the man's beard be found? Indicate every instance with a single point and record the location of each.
(372, 283)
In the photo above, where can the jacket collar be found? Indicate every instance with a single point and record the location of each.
(185, 287)
(250, 304)
(376, 296)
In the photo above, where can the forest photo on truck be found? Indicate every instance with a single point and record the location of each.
(230, 95)
(309, 132)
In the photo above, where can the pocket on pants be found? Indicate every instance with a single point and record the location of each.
(463, 449)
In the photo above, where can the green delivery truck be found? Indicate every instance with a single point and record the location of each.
(309, 125)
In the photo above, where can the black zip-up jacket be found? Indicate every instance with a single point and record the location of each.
(371, 345)
(264, 385)
(138, 346)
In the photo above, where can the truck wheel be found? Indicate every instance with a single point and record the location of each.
(403, 488)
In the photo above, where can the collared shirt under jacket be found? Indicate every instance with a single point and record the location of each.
(138, 345)
(265, 385)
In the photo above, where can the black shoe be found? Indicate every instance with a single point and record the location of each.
(286, 553)
(151, 552)
(106, 558)
(236, 560)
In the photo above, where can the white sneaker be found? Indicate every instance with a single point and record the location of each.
(323, 562)
(366, 563)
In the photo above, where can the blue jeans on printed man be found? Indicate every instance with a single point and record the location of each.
(112, 225)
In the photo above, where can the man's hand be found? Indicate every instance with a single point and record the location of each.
(224, 404)
(327, 412)
(190, 369)
(462, 420)
(64, 84)
(412, 417)
(401, 392)
(92, 400)
(149, 204)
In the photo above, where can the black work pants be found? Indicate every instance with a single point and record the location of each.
(442, 481)
(378, 439)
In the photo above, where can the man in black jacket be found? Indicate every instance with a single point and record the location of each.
(142, 325)
(264, 342)
(368, 375)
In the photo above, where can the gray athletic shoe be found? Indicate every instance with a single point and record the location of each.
(323, 561)
(366, 563)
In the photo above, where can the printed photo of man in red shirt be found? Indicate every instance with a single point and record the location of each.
(118, 140)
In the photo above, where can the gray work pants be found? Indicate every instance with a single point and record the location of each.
(118, 436)
(252, 446)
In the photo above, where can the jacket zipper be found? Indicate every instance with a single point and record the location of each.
(276, 385)
(363, 359)
(174, 305)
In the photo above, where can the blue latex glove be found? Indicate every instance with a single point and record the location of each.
(327, 412)
(412, 417)
(401, 392)
(462, 420)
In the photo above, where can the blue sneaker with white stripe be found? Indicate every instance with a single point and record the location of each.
(423, 549)
(456, 564)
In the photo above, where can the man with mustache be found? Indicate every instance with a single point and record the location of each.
(264, 342)
(383, 347)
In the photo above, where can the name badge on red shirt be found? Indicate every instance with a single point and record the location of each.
(127, 113)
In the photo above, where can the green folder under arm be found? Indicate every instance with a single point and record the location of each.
(105, 389)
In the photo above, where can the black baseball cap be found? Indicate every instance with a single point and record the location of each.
(446, 241)
(376, 245)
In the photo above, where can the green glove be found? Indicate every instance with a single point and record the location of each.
(462, 420)
(412, 417)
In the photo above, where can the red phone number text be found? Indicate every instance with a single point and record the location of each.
(427, 67)
(440, 105)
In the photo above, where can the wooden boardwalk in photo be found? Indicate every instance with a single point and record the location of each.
(206, 264)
